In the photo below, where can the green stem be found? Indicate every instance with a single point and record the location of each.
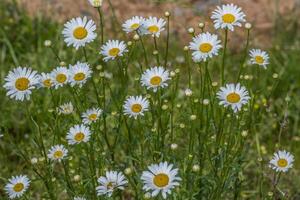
(167, 46)
(144, 49)
(224, 57)
(101, 26)
(70, 190)
(156, 49)
(85, 54)
(55, 54)
(245, 56)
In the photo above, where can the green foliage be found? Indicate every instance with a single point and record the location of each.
(232, 166)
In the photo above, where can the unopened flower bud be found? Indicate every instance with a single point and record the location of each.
(174, 146)
(191, 30)
(47, 43)
(196, 168)
(136, 37)
(201, 25)
(248, 25)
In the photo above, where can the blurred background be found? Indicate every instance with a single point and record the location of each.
(265, 15)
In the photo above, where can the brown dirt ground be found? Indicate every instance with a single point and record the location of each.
(185, 13)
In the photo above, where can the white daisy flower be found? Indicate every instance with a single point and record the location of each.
(111, 181)
(78, 134)
(233, 95)
(91, 115)
(79, 73)
(60, 76)
(204, 46)
(160, 178)
(79, 31)
(133, 24)
(45, 80)
(66, 108)
(57, 153)
(228, 16)
(17, 186)
(259, 57)
(155, 78)
(113, 49)
(20, 82)
(135, 106)
(282, 161)
(96, 3)
(153, 26)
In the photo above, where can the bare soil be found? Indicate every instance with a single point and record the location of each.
(185, 13)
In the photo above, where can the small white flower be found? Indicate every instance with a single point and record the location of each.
(79, 198)
(79, 31)
(133, 24)
(47, 43)
(112, 180)
(234, 96)
(66, 108)
(160, 178)
(20, 82)
(155, 78)
(57, 153)
(196, 168)
(45, 80)
(96, 3)
(79, 73)
(60, 76)
(188, 92)
(135, 106)
(91, 115)
(174, 146)
(78, 134)
(34, 160)
(153, 26)
(113, 49)
(259, 57)
(228, 16)
(204, 46)
(17, 186)
(282, 161)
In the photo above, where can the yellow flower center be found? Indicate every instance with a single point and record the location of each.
(110, 185)
(47, 82)
(155, 80)
(93, 117)
(161, 180)
(282, 162)
(79, 137)
(18, 187)
(80, 33)
(136, 108)
(114, 52)
(22, 83)
(259, 59)
(58, 154)
(61, 78)
(228, 18)
(233, 97)
(205, 47)
(79, 76)
(135, 26)
(153, 29)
